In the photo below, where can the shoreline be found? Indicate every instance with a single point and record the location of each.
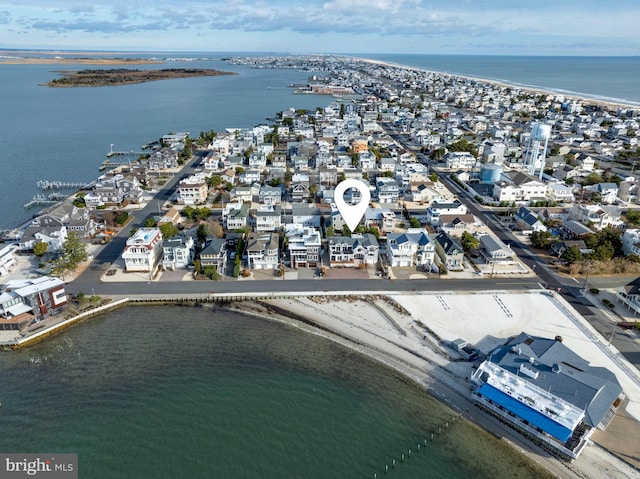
(584, 97)
(430, 372)
(377, 326)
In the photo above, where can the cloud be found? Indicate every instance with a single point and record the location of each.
(373, 24)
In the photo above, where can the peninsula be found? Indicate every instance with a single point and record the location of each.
(125, 76)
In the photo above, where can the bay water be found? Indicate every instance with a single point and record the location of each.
(175, 392)
(162, 392)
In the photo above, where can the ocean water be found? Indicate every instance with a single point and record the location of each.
(157, 392)
(605, 78)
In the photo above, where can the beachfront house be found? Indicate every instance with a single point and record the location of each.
(143, 251)
(214, 254)
(303, 245)
(545, 390)
(355, 251)
(449, 251)
(263, 251)
(412, 248)
(177, 252)
(25, 300)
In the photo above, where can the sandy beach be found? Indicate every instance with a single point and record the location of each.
(393, 331)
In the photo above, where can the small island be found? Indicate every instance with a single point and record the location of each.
(125, 76)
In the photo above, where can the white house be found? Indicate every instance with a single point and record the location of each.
(304, 245)
(387, 190)
(7, 260)
(353, 251)
(459, 160)
(143, 250)
(177, 252)
(413, 248)
(263, 251)
(631, 242)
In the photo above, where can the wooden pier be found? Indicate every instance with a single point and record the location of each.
(61, 185)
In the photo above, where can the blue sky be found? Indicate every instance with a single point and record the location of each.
(509, 27)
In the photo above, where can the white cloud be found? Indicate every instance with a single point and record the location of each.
(324, 25)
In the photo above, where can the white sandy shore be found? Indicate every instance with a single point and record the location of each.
(378, 328)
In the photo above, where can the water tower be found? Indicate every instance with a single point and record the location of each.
(536, 153)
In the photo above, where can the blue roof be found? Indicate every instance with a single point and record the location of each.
(523, 411)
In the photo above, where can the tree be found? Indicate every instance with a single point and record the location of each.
(215, 181)
(469, 242)
(331, 231)
(541, 239)
(592, 179)
(202, 232)
(169, 230)
(633, 217)
(414, 222)
(40, 248)
(150, 222)
(74, 252)
(572, 255)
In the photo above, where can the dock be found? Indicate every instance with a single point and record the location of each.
(61, 185)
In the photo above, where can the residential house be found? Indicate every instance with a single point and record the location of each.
(559, 247)
(306, 215)
(244, 193)
(449, 251)
(597, 216)
(519, 186)
(270, 195)
(573, 229)
(24, 301)
(299, 192)
(494, 250)
(560, 193)
(172, 215)
(234, 216)
(193, 190)
(53, 236)
(356, 251)
(114, 189)
(459, 160)
(631, 242)
(250, 176)
(143, 251)
(442, 207)
(387, 190)
(177, 252)
(164, 158)
(541, 387)
(263, 251)
(381, 218)
(412, 248)
(455, 225)
(528, 221)
(268, 218)
(328, 176)
(7, 259)
(214, 253)
(608, 192)
(304, 245)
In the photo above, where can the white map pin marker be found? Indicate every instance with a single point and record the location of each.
(352, 214)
